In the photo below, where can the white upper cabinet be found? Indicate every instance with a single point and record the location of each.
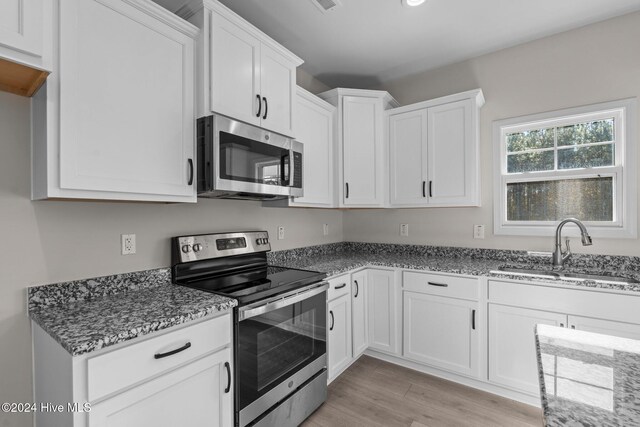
(22, 26)
(408, 157)
(314, 128)
(361, 145)
(243, 73)
(116, 119)
(434, 152)
(235, 59)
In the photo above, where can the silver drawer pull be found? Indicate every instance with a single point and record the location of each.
(442, 285)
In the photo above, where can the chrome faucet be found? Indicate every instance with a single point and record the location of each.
(560, 257)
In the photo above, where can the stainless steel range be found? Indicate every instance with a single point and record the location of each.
(279, 325)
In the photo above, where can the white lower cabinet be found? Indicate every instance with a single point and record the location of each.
(512, 351)
(339, 319)
(359, 312)
(193, 395)
(515, 308)
(441, 332)
(181, 376)
(382, 307)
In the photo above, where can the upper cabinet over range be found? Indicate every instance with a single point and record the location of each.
(115, 120)
(25, 59)
(242, 73)
(433, 152)
(361, 145)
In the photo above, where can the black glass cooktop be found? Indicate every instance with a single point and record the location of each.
(256, 284)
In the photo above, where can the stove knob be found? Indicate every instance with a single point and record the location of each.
(186, 249)
(258, 241)
(266, 241)
(197, 247)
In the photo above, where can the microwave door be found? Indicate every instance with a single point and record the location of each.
(248, 166)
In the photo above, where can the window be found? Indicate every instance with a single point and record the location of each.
(572, 163)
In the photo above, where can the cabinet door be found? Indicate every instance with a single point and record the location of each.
(408, 158)
(339, 325)
(440, 332)
(21, 25)
(606, 327)
(235, 71)
(451, 155)
(382, 311)
(359, 312)
(314, 128)
(278, 89)
(362, 151)
(197, 394)
(126, 101)
(512, 351)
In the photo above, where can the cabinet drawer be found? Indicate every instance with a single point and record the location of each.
(438, 284)
(130, 365)
(338, 286)
(599, 304)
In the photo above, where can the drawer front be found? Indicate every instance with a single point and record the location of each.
(338, 286)
(133, 364)
(599, 304)
(441, 285)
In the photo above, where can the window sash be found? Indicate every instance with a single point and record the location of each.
(626, 181)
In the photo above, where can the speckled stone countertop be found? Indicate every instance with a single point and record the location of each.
(588, 379)
(338, 258)
(87, 315)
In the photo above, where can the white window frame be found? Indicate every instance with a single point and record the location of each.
(625, 221)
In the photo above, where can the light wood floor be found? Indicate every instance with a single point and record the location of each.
(376, 393)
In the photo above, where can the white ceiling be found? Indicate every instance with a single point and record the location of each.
(367, 42)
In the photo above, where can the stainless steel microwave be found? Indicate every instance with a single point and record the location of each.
(241, 161)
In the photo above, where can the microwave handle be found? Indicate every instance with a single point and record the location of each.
(285, 172)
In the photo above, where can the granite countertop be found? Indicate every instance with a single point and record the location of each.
(338, 263)
(87, 315)
(588, 379)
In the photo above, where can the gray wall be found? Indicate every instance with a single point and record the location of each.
(51, 241)
(592, 64)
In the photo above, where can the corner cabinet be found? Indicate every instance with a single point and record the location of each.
(242, 73)
(434, 152)
(115, 120)
(129, 385)
(362, 167)
(314, 128)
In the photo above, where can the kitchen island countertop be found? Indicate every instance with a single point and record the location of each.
(588, 379)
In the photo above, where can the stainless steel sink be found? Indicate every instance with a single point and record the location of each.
(562, 275)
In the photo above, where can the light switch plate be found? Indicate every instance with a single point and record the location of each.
(325, 229)
(281, 233)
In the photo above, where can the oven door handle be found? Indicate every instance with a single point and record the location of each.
(249, 312)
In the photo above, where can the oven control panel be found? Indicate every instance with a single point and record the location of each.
(208, 246)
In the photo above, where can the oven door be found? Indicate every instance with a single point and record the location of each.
(279, 346)
(248, 159)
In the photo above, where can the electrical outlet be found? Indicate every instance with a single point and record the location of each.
(325, 229)
(478, 231)
(404, 230)
(128, 244)
(281, 233)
